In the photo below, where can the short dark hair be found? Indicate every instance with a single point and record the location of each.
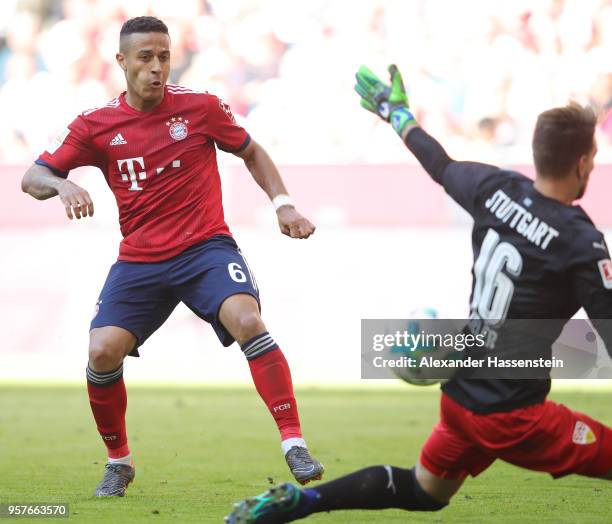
(562, 135)
(142, 24)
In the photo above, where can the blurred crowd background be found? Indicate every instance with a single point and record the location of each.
(478, 72)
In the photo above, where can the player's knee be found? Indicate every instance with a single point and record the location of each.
(397, 488)
(418, 499)
(248, 325)
(105, 354)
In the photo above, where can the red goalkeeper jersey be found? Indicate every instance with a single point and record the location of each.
(161, 166)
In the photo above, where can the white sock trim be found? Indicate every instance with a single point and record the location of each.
(127, 460)
(287, 444)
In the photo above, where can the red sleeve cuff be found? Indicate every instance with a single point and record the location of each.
(57, 172)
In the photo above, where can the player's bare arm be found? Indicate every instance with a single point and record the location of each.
(265, 173)
(40, 182)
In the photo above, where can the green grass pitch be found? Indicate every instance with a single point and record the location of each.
(197, 450)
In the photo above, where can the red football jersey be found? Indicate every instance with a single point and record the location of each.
(161, 166)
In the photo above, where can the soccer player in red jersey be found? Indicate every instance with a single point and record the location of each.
(156, 146)
(536, 256)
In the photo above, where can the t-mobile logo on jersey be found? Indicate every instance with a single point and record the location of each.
(132, 176)
(282, 407)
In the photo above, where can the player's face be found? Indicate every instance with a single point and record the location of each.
(585, 166)
(145, 59)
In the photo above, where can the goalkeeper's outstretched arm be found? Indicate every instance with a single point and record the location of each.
(390, 103)
(461, 180)
(427, 151)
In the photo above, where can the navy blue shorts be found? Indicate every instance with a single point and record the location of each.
(140, 296)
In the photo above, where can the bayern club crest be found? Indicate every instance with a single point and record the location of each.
(177, 127)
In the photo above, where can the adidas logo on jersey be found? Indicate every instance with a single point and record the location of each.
(118, 140)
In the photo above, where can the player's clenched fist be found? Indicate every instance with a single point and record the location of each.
(293, 224)
(76, 200)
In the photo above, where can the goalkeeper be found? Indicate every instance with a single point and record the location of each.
(535, 256)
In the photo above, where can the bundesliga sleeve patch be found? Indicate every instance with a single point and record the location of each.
(58, 141)
(605, 269)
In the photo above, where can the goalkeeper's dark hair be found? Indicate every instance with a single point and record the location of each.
(562, 135)
(141, 24)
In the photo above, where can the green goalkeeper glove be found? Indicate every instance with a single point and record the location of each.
(388, 102)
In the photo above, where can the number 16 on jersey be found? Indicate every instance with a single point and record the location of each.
(493, 289)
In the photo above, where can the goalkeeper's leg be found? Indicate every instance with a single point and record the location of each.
(381, 487)
(375, 487)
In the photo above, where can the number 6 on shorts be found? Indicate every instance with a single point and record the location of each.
(236, 273)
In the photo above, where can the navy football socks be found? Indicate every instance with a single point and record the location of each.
(375, 487)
